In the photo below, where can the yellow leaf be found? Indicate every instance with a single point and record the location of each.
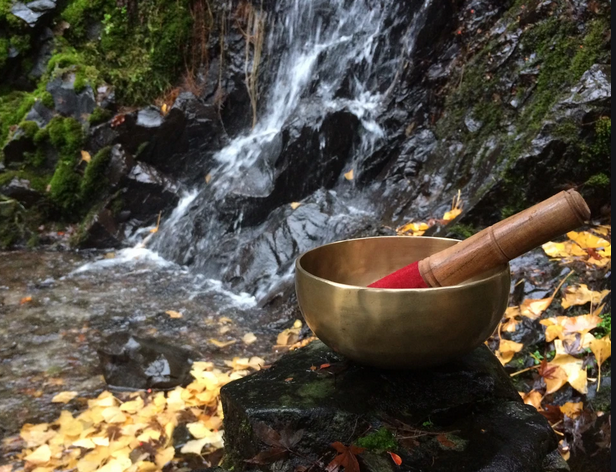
(221, 344)
(208, 178)
(532, 398)
(40, 455)
(580, 295)
(100, 441)
(64, 397)
(149, 434)
(113, 414)
(534, 308)
(295, 205)
(86, 443)
(85, 156)
(164, 456)
(572, 410)
(507, 349)
(195, 446)
(164, 109)
(587, 240)
(576, 374)
(556, 379)
(452, 214)
(198, 430)
(174, 314)
(602, 349)
(155, 229)
(562, 326)
(249, 338)
(224, 320)
(132, 406)
(119, 464)
(566, 249)
(297, 324)
(349, 175)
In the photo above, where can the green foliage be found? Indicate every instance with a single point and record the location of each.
(99, 115)
(94, 181)
(66, 135)
(47, 100)
(4, 51)
(379, 441)
(598, 180)
(605, 327)
(65, 186)
(591, 48)
(462, 230)
(13, 108)
(79, 13)
(30, 128)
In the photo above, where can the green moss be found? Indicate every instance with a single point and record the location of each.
(6, 177)
(99, 115)
(94, 181)
(598, 180)
(4, 51)
(66, 135)
(463, 230)
(30, 128)
(41, 136)
(379, 441)
(65, 187)
(13, 108)
(47, 100)
(316, 390)
(591, 47)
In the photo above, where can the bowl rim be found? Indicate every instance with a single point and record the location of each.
(298, 267)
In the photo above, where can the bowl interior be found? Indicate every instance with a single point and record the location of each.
(359, 262)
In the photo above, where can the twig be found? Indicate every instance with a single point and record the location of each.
(523, 370)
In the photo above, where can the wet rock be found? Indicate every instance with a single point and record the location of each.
(471, 402)
(43, 53)
(69, 103)
(147, 191)
(40, 114)
(132, 362)
(15, 150)
(100, 230)
(120, 164)
(34, 12)
(20, 190)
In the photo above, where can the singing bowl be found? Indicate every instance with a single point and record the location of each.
(395, 328)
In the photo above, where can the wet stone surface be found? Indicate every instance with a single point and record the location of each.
(462, 416)
(52, 342)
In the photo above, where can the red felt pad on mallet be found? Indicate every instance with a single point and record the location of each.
(407, 277)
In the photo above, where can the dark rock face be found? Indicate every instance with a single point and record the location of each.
(137, 363)
(69, 103)
(33, 12)
(20, 190)
(16, 148)
(464, 416)
(101, 231)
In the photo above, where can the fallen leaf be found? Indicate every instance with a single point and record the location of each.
(574, 369)
(587, 240)
(602, 349)
(174, 314)
(510, 319)
(222, 344)
(155, 229)
(395, 457)
(507, 349)
(445, 442)
(580, 295)
(349, 175)
(562, 326)
(64, 397)
(324, 366)
(85, 156)
(452, 214)
(572, 410)
(295, 205)
(208, 178)
(195, 446)
(533, 398)
(249, 338)
(563, 250)
(164, 109)
(25, 300)
(534, 308)
(40, 455)
(346, 458)
(165, 456)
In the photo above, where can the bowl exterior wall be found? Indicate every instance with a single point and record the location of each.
(402, 328)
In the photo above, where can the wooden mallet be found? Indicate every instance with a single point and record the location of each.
(493, 246)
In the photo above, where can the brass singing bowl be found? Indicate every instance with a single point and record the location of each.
(395, 328)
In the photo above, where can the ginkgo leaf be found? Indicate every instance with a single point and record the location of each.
(86, 443)
(572, 410)
(195, 446)
(208, 178)
(132, 406)
(174, 314)
(295, 205)
(85, 156)
(507, 349)
(417, 229)
(534, 308)
(349, 175)
(580, 295)
(533, 398)
(510, 321)
(587, 240)
(574, 368)
(40, 455)
(222, 344)
(562, 326)
(163, 457)
(556, 379)
(452, 214)
(249, 338)
(64, 397)
(562, 250)
(602, 349)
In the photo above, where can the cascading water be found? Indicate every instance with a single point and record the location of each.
(333, 58)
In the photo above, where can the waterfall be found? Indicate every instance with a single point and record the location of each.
(322, 57)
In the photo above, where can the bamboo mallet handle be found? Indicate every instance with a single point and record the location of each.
(506, 240)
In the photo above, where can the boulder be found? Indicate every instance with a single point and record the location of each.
(131, 362)
(33, 13)
(40, 114)
(20, 190)
(69, 103)
(462, 416)
(100, 230)
(15, 150)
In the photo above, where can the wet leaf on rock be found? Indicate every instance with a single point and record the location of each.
(346, 458)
